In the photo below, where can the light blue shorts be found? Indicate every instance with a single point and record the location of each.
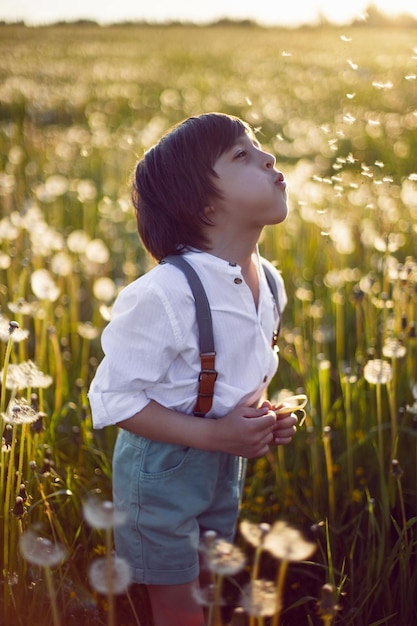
(172, 494)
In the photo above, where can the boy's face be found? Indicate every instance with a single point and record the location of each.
(253, 192)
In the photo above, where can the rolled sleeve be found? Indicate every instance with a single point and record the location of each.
(139, 343)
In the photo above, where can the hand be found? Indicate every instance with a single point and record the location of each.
(285, 425)
(240, 435)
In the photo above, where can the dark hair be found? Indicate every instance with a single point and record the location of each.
(175, 181)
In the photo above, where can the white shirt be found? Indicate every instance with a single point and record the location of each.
(151, 343)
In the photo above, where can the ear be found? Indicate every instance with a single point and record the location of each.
(209, 211)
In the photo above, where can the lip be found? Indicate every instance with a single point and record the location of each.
(280, 182)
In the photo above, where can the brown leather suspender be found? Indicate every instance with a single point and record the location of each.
(208, 373)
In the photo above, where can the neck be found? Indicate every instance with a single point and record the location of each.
(237, 249)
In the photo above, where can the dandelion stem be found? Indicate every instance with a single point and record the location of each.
(379, 418)
(4, 378)
(349, 433)
(7, 500)
(282, 572)
(52, 597)
(109, 563)
(329, 471)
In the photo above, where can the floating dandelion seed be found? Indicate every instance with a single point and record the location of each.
(110, 575)
(377, 372)
(394, 349)
(259, 598)
(25, 375)
(287, 543)
(349, 119)
(44, 286)
(354, 66)
(102, 515)
(224, 558)
(387, 85)
(41, 551)
(19, 412)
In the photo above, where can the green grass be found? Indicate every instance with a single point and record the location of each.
(78, 106)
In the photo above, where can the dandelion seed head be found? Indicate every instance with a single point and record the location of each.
(394, 349)
(96, 251)
(87, 330)
(377, 372)
(19, 412)
(254, 533)
(104, 289)
(41, 551)
(61, 264)
(287, 543)
(86, 190)
(23, 307)
(206, 596)
(25, 375)
(56, 185)
(77, 241)
(259, 599)
(44, 286)
(110, 574)
(224, 558)
(102, 515)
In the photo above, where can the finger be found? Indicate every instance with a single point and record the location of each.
(285, 420)
(285, 433)
(282, 441)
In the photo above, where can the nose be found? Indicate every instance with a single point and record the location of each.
(269, 160)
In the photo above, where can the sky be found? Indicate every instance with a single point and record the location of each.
(279, 12)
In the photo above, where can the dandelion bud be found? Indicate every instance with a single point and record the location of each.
(209, 537)
(22, 492)
(396, 469)
(18, 508)
(13, 326)
(8, 435)
(327, 432)
(328, 606)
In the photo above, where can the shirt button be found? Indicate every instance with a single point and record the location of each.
(238, 281)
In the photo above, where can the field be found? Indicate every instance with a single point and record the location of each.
(78, 106)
